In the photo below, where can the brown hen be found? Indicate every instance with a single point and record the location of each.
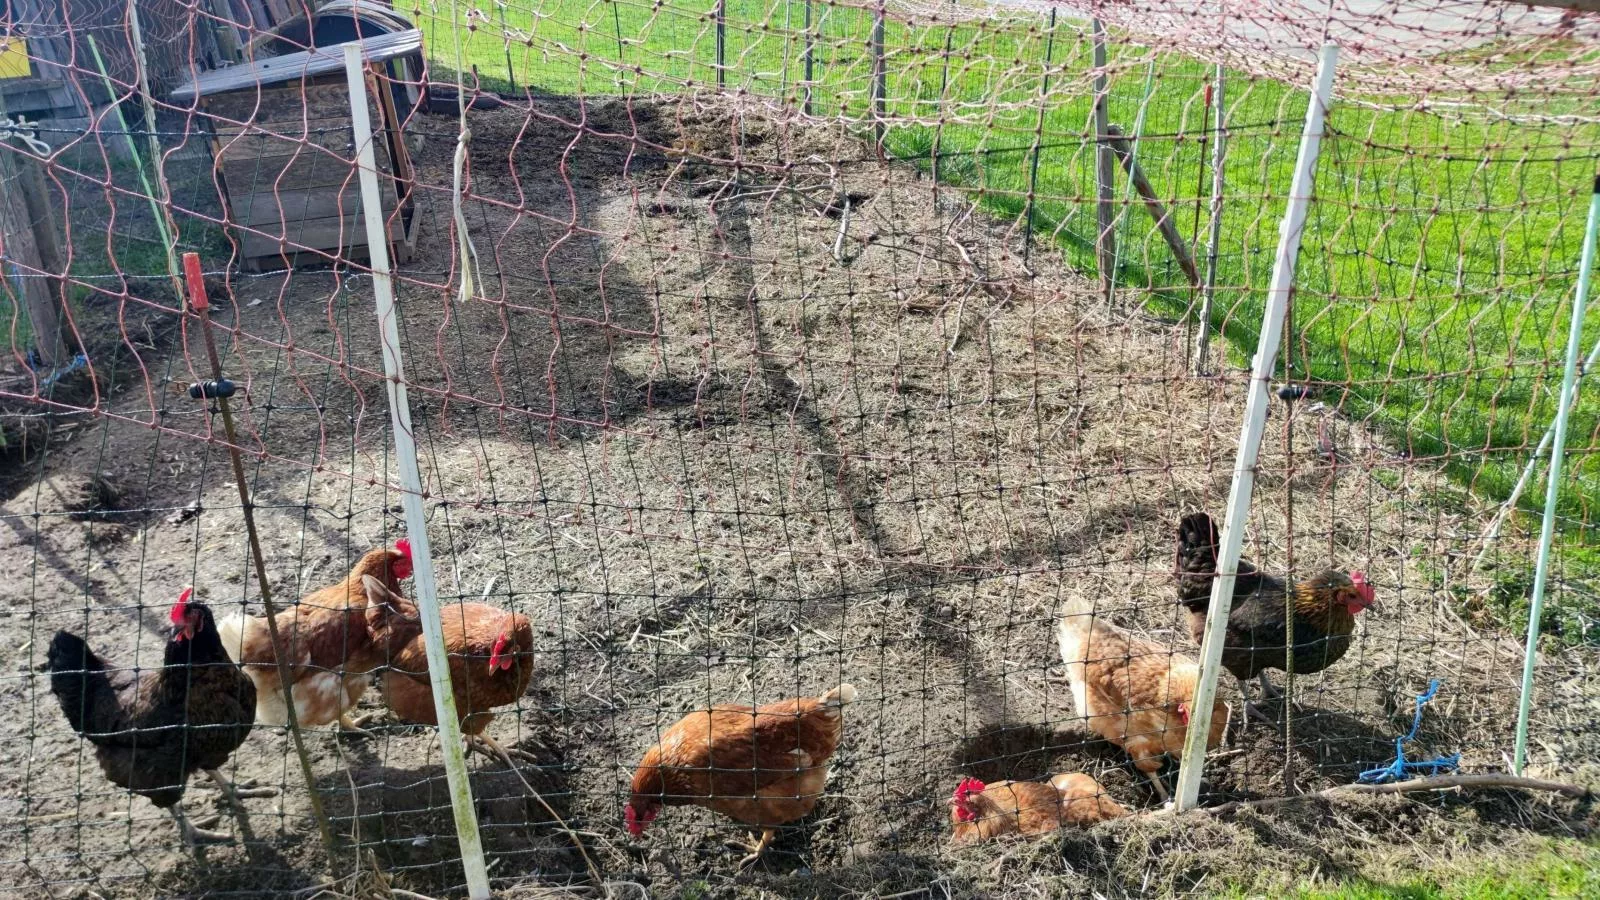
(491, 663)
(335, 637)
(981, 812)
(1133, 692)
(760, 766)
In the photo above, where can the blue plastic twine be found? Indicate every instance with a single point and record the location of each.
(1401, 766)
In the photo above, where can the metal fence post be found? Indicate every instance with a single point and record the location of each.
(1105, 168)
(1038, 134)
(426, 590)
(811, 50)
(722, 41)
(1552, 492)
(879, 75)
(1255, 420)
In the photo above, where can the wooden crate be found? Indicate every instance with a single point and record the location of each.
(289, 173)
(284, 150)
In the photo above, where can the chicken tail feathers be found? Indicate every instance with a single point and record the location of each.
(232, 630)
(843, 695)
(1197, 544)
(1197, 559)
(78, 679)
(1072, 631)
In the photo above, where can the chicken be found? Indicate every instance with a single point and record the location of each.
(490, 666)
(760, 766)
(1325, 610)
(981, 812)
(335, 636)
(1133, 692)
(151, 730)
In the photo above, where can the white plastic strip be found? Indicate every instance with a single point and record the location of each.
(1255, 421)
(425, 590)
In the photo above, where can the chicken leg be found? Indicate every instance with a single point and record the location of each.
(1269, 691)
(1159, 785)
(234, 793)
(193, 835)
(1251, 709)
(768, 835)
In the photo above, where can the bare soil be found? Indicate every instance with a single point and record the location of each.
(742, 413)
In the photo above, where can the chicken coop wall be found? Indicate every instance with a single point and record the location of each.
(745, 369)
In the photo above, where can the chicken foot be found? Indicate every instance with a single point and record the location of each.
(492, 748)
(758, 847)
(193, 835)
(350, 728)
(233, 793)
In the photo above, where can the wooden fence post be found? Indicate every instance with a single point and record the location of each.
(1219, 150)
(1105, 168)
(23, 261)
(722, 41)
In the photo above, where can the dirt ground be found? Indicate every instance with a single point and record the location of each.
(740, 414)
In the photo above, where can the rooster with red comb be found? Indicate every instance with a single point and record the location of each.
(333, 638)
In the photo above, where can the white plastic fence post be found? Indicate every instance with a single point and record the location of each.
(1552, 492)
(425, 591)
(1255, 420)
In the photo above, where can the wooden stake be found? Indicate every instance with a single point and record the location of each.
(1152, 203)
(1105, 169)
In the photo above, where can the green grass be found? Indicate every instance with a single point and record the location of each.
(1571, 871)
(1438, 262)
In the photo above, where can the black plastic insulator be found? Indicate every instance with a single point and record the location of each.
(212, 390)
(1293, 392)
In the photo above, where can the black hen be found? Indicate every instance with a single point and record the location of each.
(151, 731)
(1325, 609)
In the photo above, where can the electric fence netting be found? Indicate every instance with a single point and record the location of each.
(654, 356)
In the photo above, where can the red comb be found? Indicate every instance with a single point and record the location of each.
(404, 546)
(968, 787)
(181, 607)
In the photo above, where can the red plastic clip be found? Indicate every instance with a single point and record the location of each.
(196, 282)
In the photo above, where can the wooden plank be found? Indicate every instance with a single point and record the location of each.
(253, 175)
(292, 104)
(268, 211)
(332, 235)
(249, 141)
(295, 66)
(391, 138)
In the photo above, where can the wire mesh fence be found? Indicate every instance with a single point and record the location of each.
(746, 360)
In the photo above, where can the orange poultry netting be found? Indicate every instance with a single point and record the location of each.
(757, 350)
